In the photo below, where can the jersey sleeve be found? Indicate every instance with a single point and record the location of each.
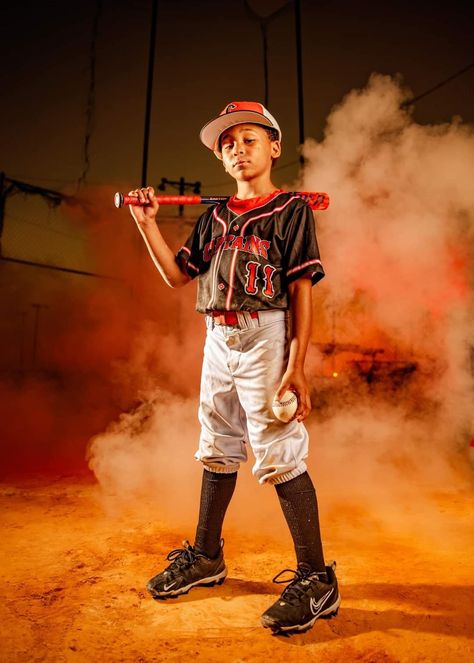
(302, 247)
(189, 256)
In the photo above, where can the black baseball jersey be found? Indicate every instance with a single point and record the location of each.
(245, 261)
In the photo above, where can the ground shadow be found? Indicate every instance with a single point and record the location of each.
(435, 609)
(230, 589)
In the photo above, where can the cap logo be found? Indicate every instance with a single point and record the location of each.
(230, 107)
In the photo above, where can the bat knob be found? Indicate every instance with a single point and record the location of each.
(118, 199)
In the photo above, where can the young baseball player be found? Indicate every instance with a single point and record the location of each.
(256, 258)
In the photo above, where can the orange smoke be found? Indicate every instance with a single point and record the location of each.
(101, 341)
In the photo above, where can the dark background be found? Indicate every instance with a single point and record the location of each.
(208, 53)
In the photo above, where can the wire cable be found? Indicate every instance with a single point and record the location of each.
(264, 22)
(409, 102)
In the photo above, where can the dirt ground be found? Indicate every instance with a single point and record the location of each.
(73, 577)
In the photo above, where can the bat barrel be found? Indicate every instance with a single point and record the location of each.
(316, 200)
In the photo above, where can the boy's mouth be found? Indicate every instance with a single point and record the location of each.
(241, 162)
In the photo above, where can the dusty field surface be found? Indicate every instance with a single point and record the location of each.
(73, 577)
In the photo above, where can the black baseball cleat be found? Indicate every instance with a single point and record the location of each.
(305, 600)
(189, 568)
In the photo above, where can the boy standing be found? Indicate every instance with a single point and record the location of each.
(256, 259)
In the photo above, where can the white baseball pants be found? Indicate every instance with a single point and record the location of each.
(242, 369)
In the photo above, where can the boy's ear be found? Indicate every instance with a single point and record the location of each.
(276, 149)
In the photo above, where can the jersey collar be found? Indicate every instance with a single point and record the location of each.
(241, 206)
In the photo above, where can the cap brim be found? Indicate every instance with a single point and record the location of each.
(212, 130)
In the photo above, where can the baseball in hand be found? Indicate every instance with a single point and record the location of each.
(285, 408)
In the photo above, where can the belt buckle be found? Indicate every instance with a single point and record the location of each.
(231, 318)
(224, 317)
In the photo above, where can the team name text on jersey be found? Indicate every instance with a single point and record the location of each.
(249, 244)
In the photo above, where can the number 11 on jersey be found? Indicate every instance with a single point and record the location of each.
(253, 276)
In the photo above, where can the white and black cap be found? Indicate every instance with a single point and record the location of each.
(237, 112)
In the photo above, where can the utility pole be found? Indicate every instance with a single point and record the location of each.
(181, 185)
(3, 199)
(264, 22)
(149, 91)
(299, 72)
(37, 308)
(23, 315)
(4, 191)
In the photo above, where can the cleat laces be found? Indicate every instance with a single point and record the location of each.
(182, 558)
(298, 584)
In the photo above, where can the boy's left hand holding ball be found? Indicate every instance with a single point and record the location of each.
(284, 408)
(293, 382)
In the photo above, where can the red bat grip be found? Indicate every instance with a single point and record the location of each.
(122, 199)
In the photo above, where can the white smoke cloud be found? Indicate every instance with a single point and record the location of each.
(398, 238)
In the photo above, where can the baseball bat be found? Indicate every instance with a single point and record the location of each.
(316, 200)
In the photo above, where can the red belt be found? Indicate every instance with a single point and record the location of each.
(229, 317)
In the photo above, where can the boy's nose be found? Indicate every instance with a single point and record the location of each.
(238, 148)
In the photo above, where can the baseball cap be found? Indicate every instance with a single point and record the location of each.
(237, 112)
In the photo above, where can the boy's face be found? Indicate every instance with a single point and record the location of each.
(248, 151)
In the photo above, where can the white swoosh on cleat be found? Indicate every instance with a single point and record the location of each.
(166, 587)
(316, 605)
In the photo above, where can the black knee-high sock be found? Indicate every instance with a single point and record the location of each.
(300, 508)
(216, 492)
